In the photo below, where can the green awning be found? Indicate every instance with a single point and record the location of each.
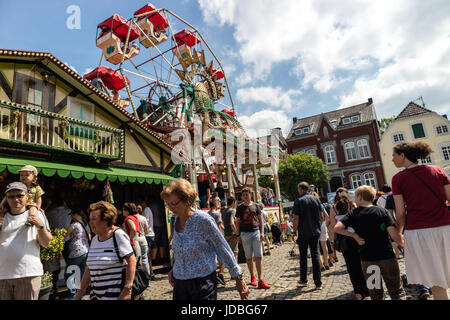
(64, 170)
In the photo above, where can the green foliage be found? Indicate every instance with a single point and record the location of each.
(46, 280)
(264, 181)
(384, 123)
(301, 167)
(55, 246)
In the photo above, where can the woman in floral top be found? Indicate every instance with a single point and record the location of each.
(197, 243)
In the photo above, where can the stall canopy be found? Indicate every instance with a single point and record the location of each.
(64, 170)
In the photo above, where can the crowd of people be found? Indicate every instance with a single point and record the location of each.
(372, 231)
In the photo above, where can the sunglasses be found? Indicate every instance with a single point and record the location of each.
(18, 196)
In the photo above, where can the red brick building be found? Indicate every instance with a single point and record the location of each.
(347, 140)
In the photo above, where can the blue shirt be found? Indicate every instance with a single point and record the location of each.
(197, 248)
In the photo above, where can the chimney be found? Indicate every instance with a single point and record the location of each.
(294, 120)
(445, 116)
(276, 132)
(370, 101)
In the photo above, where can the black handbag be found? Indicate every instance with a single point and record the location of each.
(341, 243)
(141, 277)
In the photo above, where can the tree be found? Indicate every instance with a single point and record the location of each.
(384, 123)
(301, 167)
(265, 180)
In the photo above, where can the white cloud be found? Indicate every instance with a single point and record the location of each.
(389, 50)
(259, 123)
(87, 70)
(274, 97)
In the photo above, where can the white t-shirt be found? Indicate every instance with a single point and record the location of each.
(105, 267)
(142, 225)
(148, 214)
(19, 248)
(381, 202)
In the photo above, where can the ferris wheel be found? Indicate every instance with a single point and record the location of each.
(166, 70)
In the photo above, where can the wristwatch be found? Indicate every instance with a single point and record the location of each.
(40, 227)
(128, 286)
(239, 277)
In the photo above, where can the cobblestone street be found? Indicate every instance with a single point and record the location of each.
(281, 271)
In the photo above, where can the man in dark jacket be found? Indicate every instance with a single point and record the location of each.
(307, 209)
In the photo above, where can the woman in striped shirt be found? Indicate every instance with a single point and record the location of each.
(104, 272)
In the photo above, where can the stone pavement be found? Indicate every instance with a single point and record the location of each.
(281, 271)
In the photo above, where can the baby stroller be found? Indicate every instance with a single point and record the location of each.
(276, 233)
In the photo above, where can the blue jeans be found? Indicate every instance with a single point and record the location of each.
(312, 243)
(81, 263)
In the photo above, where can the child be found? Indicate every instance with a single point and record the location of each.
(373, 226)
(28, 176)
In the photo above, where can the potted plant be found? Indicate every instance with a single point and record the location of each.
(52, 252)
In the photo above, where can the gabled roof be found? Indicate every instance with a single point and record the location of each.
(412, 109)
(48, 59)
(364, 110)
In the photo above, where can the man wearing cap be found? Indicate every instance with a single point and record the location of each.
(20, 264)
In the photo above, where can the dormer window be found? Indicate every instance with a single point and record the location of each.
(346, 120)
(301, 131)
(355, 119)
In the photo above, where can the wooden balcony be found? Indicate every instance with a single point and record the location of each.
(34, 129)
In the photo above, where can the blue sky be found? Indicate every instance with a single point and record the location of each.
(283, 59)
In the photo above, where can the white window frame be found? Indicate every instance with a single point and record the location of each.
(298, 132)
(424, 130)
(397, 134)
(445, 145)
(311, 151)
(362, 146)
(374, 179)
(355, 118)
(332, 153)
(346, 120)
(347, 148)
(356, 184)
(441, 126)
(429, 160)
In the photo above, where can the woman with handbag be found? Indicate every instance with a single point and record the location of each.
(420, 192)
(348, 246)
(104, 270)
(197, 243)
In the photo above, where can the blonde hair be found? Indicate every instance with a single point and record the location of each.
(183, 189)
(366, 192)
(313, 193)
(108, 212)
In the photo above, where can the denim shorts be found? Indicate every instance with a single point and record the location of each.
(251, 241)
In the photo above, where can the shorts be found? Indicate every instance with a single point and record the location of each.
(233, 243)
(251, 241)
(20, 289)
(266, 230)
(323, 232)
(150, 242)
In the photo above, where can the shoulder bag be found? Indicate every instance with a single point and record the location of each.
(431, 190)
(141, 278)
